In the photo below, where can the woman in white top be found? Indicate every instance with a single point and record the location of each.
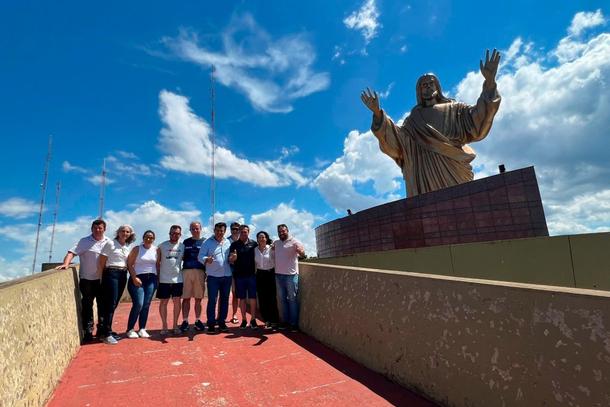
(142, 267)
(265, 280)
(112, 267)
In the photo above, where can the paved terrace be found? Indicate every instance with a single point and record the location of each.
(238, 368)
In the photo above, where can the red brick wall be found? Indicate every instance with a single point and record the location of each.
(503, 206)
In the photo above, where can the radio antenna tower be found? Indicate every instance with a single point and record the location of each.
(213, 139)
(57, 191)
(43, 191)
(102, 189)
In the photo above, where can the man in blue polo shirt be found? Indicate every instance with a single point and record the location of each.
(214, 253)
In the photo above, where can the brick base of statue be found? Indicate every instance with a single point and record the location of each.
(503, 206)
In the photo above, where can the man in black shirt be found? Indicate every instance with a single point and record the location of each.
(242, 259)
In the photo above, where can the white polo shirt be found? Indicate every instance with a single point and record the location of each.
(115, 253)
(88, 250)
(286, 256)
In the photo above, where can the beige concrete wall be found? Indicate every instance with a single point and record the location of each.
(465, 342)
(38, 335)
(581, 261)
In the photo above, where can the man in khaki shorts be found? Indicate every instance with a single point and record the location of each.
(193, 274)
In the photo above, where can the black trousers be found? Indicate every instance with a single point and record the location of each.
(113, 285)
(266, 293)
(90, 290)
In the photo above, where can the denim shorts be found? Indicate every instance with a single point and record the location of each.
(245, 287)
(167, 290)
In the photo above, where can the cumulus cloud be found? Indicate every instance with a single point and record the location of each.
(299, 222)
(147, 215)
(271, 72)
(18, 208)
(365, 20)
(185, 141)
(584, 20)
(556, 117)
(362, 162)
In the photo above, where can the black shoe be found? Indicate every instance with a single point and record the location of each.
(115, 335)
(199, 325)
(211, 329)
(243, 324)
(88, 337)
(294, 328)
(184, 326)
(223, 327)
(253, 324)
(282, 327)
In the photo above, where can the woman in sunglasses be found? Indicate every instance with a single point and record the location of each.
(142, 267)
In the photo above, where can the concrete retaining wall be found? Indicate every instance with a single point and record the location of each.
(465, 342)
(38, 335)
(580, 261)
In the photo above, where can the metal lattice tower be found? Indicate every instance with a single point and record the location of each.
(43, 192)
(213, 139)
(102, 189)
(57, 191)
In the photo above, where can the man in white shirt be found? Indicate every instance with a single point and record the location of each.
(287, 252)
(88, 250)
(169, 261)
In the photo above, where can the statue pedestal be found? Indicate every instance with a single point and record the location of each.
(503, 206)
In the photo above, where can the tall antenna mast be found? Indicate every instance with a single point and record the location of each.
(102, 189)
(213, 138)
(43, 191)
(57, 190)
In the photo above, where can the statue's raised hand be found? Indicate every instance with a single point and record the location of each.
(371, 100)
(490, 67)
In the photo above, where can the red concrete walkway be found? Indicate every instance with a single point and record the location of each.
(238, 368)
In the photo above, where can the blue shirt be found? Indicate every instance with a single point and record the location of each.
(191, 251)
(219, 252)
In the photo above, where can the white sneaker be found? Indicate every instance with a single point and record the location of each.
(143, 334)
(132, 334)
(110, 340)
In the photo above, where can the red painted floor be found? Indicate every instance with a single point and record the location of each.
(238, 368)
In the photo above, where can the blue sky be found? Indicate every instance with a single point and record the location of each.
(130, 84)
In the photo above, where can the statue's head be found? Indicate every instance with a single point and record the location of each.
(428, 90)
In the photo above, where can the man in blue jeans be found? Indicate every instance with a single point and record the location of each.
(287, 253)
(214, 253)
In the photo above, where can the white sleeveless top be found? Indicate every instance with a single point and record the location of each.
(146, 261)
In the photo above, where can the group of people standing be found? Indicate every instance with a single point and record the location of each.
(259, 272)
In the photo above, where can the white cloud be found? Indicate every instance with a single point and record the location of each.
(67, 167)
(585, 213)
(584, 20)
(156, 217)
(185, 141)
(270, 72)
(384, 94)
(299, 222)
(148, 215)
(556, 118)
(362, 162)
(18, 208)
(365, 20)
(97, 180)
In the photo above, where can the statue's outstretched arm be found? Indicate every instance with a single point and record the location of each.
(489, 69)
(371, 101)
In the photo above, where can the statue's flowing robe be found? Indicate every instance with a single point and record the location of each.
(430, 146)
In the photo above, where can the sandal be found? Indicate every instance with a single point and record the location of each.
(234, 320)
